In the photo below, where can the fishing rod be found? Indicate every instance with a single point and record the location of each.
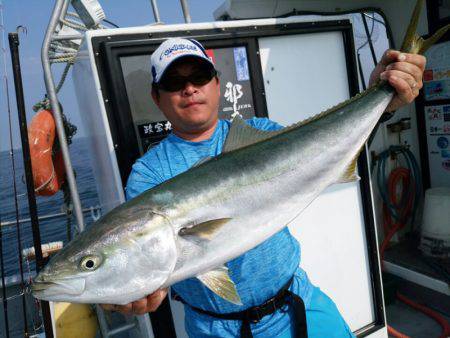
(2, 262)
(4, 299)
(14, 48)
(16, 205)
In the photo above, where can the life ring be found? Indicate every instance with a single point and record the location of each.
(47, 166)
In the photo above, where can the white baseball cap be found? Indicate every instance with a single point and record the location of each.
(173, 49)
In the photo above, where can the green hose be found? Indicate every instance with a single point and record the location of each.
(382, 181)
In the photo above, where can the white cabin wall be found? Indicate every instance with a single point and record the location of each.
(97, 130)
(397, 12)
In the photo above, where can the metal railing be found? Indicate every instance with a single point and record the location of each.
(59, 12)
(94, 211)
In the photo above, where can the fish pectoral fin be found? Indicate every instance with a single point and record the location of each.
(350, 174)
(219, 282)
(204, 230)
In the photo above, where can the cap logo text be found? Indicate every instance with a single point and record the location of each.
(175, 48)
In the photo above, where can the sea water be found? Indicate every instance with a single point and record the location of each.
(51, 230)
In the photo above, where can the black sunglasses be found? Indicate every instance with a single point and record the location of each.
(174, 83)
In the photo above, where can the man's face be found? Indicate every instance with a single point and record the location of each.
(193, 108)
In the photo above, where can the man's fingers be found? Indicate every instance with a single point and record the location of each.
(139, 307)
(408, 78)
(404, 72)
(404, 91)
(155, 299)
(125, 309)
(391, 56)
(408, 69)
(415, 59)
(108, 307)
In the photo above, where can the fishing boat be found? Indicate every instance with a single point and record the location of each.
(387, 236)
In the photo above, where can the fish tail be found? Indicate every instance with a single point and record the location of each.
(435, 37)
(415, 44)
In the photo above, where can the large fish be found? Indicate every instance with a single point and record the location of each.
(192, 224)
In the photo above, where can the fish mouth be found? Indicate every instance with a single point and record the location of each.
(46, 290)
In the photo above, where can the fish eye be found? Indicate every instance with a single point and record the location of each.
(90, 263)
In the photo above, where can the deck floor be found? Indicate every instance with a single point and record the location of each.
(412, 322)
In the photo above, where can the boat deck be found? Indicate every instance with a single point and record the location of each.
(412, 322)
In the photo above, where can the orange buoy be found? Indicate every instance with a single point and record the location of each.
(48, 167)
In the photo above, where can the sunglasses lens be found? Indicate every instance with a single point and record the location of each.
(173, 84)
(176, 83)
(201, 78)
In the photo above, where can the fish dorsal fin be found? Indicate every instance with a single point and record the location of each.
(201, 161)
(204, 230)
(219, 282)
(241, 135)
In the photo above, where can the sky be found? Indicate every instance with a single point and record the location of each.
(35, 16)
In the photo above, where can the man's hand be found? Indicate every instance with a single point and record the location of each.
(404, 72)
(140, 306)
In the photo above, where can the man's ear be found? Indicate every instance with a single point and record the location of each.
(155, 97)
(218, 83)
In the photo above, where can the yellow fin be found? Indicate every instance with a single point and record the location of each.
(204, 230)
(219, 282)
(350, 174)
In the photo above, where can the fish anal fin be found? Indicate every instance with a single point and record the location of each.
(350, 174)
(219, 282)
(205, 230)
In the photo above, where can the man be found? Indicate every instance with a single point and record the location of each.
(186, 89)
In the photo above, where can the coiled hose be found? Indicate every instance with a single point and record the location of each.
(401, 192)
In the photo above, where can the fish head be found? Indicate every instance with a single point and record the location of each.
(116, 267)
